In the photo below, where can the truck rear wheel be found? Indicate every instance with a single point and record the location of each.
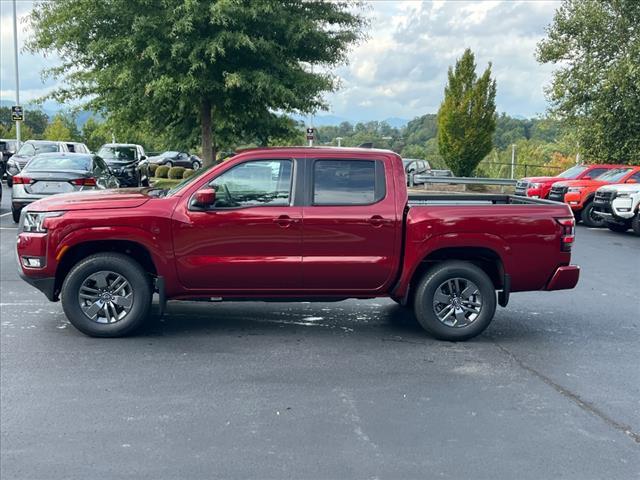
(455, 301)
(106, 295)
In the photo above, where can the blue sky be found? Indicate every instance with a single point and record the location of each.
(400, 70)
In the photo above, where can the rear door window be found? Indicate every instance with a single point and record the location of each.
(347, 182)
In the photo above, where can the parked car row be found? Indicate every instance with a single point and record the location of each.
(589, 191)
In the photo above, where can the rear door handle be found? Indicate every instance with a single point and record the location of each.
(378, 221)
(285, 220)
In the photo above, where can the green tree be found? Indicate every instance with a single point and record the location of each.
(596, 88)
(57, 129)
(198, 69)
(95, 134)
(467, 116)
(34, 118)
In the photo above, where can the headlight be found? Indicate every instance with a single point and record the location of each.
(575, 189)
(34, 221)
(623, 195)
(12, 165)
(534, 185)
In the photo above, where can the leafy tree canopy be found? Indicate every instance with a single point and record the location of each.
(199, 69)
(596, 89)
(466, 118)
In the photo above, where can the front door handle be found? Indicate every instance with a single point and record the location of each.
(285, 220)
(378, 221)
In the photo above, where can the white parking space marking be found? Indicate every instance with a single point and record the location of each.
(5, 214)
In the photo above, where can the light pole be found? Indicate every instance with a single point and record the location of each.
(513, 159)
(15, 62)
(339, 139)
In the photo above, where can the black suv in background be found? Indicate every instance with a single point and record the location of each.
(124, 161)
(7, 149)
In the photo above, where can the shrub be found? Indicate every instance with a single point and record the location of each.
(152, 169)
(176, 172)
(162, 171)
(188, 173)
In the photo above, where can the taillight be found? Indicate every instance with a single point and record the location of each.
(568, 236)
(22, 180)
(84, 182)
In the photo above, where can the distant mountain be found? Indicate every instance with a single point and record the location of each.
(52, 109)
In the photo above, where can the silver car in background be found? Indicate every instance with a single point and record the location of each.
(51, 173)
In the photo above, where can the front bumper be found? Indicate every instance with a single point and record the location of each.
(45, 284)
(564, 278)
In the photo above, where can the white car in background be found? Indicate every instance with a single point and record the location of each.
(619, 205)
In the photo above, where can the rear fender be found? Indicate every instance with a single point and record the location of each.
(417, 251)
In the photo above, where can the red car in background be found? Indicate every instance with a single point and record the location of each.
(579, 194)
(539, 187)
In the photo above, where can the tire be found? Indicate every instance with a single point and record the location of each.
(635, 224)
(469, 276)
(9, 181)
(15, 213)
(139, 293)
(589, 218)
(616, 227)
(195, 165)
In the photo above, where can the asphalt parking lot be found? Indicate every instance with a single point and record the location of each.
(329, 390)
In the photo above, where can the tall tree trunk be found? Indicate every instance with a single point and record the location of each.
(207, 133)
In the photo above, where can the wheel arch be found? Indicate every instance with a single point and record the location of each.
(72, 255)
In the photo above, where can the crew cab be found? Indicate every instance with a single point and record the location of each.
(539, 187)
(579, 194)
(619, 206)
(289, 224)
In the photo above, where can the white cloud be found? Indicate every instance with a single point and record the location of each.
(401, 70)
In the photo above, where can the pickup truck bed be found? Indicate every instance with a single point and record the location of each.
(292, 223)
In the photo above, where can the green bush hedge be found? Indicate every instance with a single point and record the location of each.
(162, 171)
(152, 169)
(188, 173)
(176, 172)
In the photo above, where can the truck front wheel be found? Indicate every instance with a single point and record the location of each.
(455, 301)
(635, 224)
(106, 295)
(590, 218)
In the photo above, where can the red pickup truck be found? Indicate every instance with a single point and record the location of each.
(289, 224)
(539, 187)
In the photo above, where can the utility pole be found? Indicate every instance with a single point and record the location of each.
(15, 62)
(513, 160)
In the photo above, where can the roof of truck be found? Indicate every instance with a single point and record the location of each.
(322, 149)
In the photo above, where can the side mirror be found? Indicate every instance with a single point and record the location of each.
(587, 177)
(143, 157)
(632, 180)
(205, 197)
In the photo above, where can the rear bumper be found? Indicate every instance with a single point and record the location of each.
(564, 278)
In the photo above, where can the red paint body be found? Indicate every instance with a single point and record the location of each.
(544, 184)
(303, 250)
(578, 199)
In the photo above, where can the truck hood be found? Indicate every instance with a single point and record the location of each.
(541, 179)
(629, 188)
(92, 200)
(581, 183)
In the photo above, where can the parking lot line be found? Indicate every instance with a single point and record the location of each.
(5, 214)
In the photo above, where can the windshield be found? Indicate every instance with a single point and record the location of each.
(614, 175)
(26, 149)
(187, 181)
(169, 154)
(122, 154)
(573, 172)
(53, 163)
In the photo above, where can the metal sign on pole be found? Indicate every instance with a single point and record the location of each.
(311, 135)
(17, 113)
(15, 62)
